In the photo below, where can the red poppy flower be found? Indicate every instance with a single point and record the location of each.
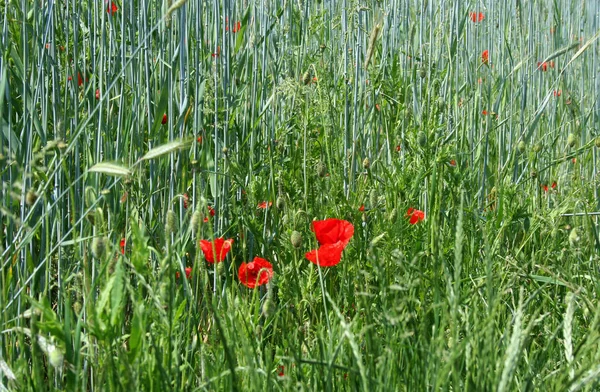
(164, 119)
(485, 57)
(255, 273)
(199, 140)
(554, 185)
(263, 205)
(218, 52)
(361, 208)
(333, 235)
(476, 16)
(79, 79)
(557, 93)
(415, 215)
(280, 370)
(484, 112)
(122, 245)
(545, 187)
(452, 163)
(188, 273)
(186, 199)
(237, 27)
(542, 66)
(220, 249)
(97, 93)
(398, 148)
(112, 8)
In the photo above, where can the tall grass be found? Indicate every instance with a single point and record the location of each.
(120, 132)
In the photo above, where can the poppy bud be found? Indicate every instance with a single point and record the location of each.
(171, 222)
(423, 72)
(574, 237)
(306, 77)
(225, 151)
(441, 104)
(571, 140)
(366, 163)
(30, 198)
(322, 47)
(393, 215)
(521, 146)
(422, 139)
(597, 142)
(373, 198)
(296, 239)
(321, 169)
(195, 221)
(280, 203)
(533, 174)
(269, 308)
(98, 247)
(55, 356)
(538, 147)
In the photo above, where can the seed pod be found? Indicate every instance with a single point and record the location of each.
(571, 140)
(422, 139)
(597, 142)
(366, 163)
(99, 247)
(296, 239)
(521, 146)
(30, 198)
(321, 169)
(170, 226)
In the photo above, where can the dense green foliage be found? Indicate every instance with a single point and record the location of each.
(129, 133)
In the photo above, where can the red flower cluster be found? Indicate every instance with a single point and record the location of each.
(545, 186)
(219, 249)
(333, 235)
(476, 17)
(211, 212)
(188, 273)
(543, 66)
(415, 216)
(255, 273)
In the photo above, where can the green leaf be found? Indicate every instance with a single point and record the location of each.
(166, 149)
(111, 169)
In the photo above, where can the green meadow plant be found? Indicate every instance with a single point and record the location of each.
(299, 195)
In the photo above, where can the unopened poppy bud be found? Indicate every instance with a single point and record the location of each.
(393, 215)
(55, 357)
(269, 308)
(195, 221)
(322, 47)
(597, 142)
(296, 239)
(571, 140)
(321, 169)
(574, 237)
(99, 247)
(373, 198)
(441, 104)
(422, 139)
(423, 72)
(280, 203)
(533, 174)
(225, 150)
(30, 198)
(538, 147)
(306, 77)
(366, 163)
(521, 146)
(171, 222)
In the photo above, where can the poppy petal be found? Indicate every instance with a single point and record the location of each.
(327, 255)
(330, 231)
(255, 273)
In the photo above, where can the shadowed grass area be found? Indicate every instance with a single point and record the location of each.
(460, 141)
